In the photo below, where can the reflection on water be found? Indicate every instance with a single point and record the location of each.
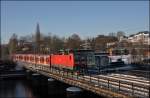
(25, 89)
(22, 89)
(15, 89)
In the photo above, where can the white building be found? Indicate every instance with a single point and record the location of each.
(143, 37)
(125, 58)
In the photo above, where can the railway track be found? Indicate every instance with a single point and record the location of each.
(126, 86)
(139, 73)
(126, 79)
(130, 77)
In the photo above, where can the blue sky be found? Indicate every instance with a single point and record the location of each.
(63, 18)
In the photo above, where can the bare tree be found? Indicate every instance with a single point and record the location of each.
(91, 42)
(13, 42)
(57, 44)
(73, 42)
(101, 42)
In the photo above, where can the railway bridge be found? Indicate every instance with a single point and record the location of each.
(108, 85)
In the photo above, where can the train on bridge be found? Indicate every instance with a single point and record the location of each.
(76, 60)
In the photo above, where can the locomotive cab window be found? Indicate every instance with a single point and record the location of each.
(70, 57)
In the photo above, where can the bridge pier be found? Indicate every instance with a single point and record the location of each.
(35, 79)
(74, 92)
(43, 87)
(56, 87)
(28, 74)
(52, 87)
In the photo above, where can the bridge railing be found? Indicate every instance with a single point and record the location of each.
(129, 88)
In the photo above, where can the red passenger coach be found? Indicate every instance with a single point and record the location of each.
(44, 60)
(62, 61)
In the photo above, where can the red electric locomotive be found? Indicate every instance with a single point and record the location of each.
(76, 60)
(62, 61)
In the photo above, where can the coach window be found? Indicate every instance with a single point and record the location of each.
(47, 60)
(36, 59)
(30, 58)
(33, 58)
(25, 58)
(42, 59)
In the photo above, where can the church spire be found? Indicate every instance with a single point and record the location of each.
(37, 28)
(38, 33)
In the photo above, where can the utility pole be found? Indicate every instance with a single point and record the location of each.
(0, 46)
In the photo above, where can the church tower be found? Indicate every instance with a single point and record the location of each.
(38, 35)
(37, 39)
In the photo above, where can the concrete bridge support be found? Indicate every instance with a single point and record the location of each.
(43, 87)
(43, 80)
(74, 92)
(28, 74)
(52, 87)
(38, 82)
(35, 82)
(56, 87)
(35, 79)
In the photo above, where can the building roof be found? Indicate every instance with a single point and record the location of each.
(141, 32)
